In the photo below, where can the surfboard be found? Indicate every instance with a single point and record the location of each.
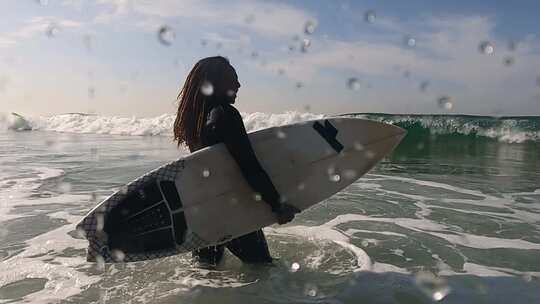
(202, 199)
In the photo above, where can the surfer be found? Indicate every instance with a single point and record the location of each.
(206, 117)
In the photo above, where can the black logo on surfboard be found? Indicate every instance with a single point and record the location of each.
(328, 132)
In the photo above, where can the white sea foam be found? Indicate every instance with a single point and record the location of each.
(160, 125)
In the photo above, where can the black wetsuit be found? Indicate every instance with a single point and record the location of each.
(224, 125)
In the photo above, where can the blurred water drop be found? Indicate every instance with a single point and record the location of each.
(527, 277)
(280, 134)
(299, 85)
(508, 61)
(307, 108)
(123, 190)
(52, 30)
(353, 84)
(358, 146)
(206, 173)
(230, 93)
(50, 142)
(306, 43)
(91, 92)
(370, 16)
(100, 221)
(166, 35)
(87, 41)
(93, 197)
(207, 88)
(219, 45)
(4, 80)
(80, 233)
(512, 45)
(118, 255)
(420, 146)
(100, 263)
(64, 187)
(257, 197)
(234, 201)
(301, 186)
(350, 174)
(433, 286)
(204, 42)
(335, 178)
(254, 54)
(291, 47)
(93, 150)
(445, 102)
(309, 27)
(409, 41)
(364, 243)
(486, 47)
(249, 19)
(295, 267)
(281, 71)
(424, 85)
(310, 290)
(369, 154)
(407, 74)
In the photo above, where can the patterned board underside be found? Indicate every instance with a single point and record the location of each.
(124, 227)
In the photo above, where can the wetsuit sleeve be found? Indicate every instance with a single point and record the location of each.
(228, 125)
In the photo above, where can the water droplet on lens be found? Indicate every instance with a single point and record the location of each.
(365, 243)
(445, 102)
(166, 35)
(310, 290)
(353, 84)
(100, 263)
(409, 41)
(118, 255)
(257, 197)
(219, 45)
(433, 286)
(281, 71)
(206, 173)
(52, 30)
(291, 47)
(231, 93)
(309, 27)
(486, 47)
(370, 16)
(369, 154)
(295, 267)
(281, 135)
(358, 146)
(508, 61)
(512, 45)
(335, 178)
(207, 88)
(350, 174)
(87, 41)
(64, 187)
(299, 85)
(424, 85)
(91, 92)
(527, 277)
(306, 43)
(407, 74)
(50, 142)
(204, 42)
(254, 54)
(301, 186)
(249, 18)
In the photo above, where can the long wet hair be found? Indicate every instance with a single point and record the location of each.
(193, 103)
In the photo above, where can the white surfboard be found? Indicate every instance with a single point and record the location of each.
(202, 199)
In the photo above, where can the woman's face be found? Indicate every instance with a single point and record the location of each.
(229, 85)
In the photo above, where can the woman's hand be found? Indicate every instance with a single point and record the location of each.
(286, 213)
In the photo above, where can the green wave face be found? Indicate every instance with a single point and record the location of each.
(423, 129)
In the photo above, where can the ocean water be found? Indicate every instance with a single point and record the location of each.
(452, 215)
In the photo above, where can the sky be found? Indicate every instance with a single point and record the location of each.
(321, 56)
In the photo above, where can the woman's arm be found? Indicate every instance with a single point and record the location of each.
(227, 124)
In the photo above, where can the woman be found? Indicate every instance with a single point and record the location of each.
(206, 117)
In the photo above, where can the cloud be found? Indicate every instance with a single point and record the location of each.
(38, 25)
